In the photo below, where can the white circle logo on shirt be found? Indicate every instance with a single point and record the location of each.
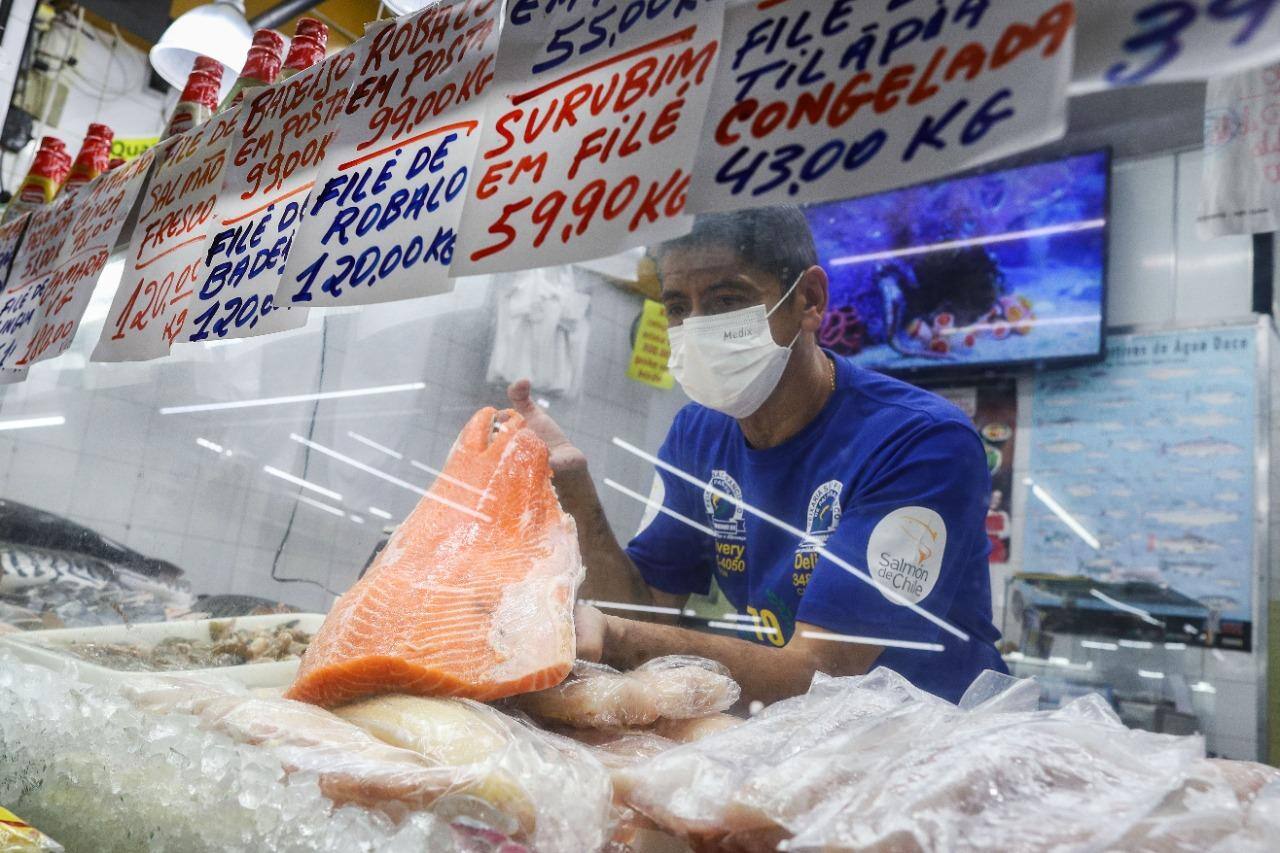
(904, 553)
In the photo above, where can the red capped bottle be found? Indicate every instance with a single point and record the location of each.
(310, 39)
(261, 67)
(48, 170)
(199, 97)
(93, 159)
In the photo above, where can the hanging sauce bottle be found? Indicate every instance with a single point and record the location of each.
(93, 159)
(48, 170)
(199, 97)
(261, 67)
(310, 39)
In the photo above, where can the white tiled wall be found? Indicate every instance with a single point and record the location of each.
(121, 467)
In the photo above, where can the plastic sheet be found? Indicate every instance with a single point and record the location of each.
(17, 836)
(872, 763)
(99, 775)
(554, 792)
(675, 687)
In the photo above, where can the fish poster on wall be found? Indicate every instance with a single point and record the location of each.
(1142, 475)
(993, 408)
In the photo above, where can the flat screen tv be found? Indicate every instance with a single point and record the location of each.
(973, 274)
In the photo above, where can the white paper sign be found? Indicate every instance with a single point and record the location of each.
(47, 230)
(1128, 42)
(10, 239)
(282, 134)
(827, 99)
(382, 220)
(12, 304)
(92, 221)
(1240, 188)
(588, 143)
(166, 253)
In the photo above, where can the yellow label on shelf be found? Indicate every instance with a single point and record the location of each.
(127, 149)
(649, 355)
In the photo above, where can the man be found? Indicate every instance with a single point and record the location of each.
(879, 475)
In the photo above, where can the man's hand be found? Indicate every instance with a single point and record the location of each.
(590, 627)
(564, 456)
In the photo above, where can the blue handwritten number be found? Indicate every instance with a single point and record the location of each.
(202, 322)
(1256, 11)
(1164, 23)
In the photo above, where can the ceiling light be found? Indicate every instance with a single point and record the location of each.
(217, 30)
(404, 7)
(292, 398)
(28, 423)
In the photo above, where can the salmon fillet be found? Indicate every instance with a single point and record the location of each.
(472, 596)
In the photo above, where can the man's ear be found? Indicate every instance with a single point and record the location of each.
(811, 293)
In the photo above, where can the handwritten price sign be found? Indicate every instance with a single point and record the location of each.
(825, 99)
(282, 134)
(382, 222)
(37, 255)
(166, 253)
(1240, 190)
(12, 307)
(91, 227)
(1128, 42)
(587, 146)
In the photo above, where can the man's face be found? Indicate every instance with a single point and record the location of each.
(704, 281)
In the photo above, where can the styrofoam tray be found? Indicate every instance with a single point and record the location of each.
(41, 647)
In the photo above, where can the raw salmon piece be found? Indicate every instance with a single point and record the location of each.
(473, 596)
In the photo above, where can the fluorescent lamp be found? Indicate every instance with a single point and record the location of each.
(1204, 687)
(293, 398)
(1065, 517)
(380, 513)
(217, 30)
(332, 510)
(210, 445)
(443, 476)
(31, 423)
(369, 442)
(874, 641)
(639, 608)
(701, 528)
(383, 475)
(1094, 644)
(1136, 644)
(1127, 608)
(729, 626)
(1007, 237)
(298, 481)
(1147, 673)
(357, 519)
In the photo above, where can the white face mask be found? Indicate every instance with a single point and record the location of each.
(730, 362)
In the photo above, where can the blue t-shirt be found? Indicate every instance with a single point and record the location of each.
(889, 478)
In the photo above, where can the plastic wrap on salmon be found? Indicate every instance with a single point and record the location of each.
(555, 794)
(872, 763)
(472, 596)
(675, 687)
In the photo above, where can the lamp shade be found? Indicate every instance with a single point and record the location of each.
(404, 7)
(217, 30)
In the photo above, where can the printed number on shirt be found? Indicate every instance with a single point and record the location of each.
(767, 626)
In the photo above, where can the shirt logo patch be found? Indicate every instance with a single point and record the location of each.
(726, 516)
(823, 516)
(904, 552)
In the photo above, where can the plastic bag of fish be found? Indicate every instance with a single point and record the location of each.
(872, 763)
(400, 754)
(595, 696)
